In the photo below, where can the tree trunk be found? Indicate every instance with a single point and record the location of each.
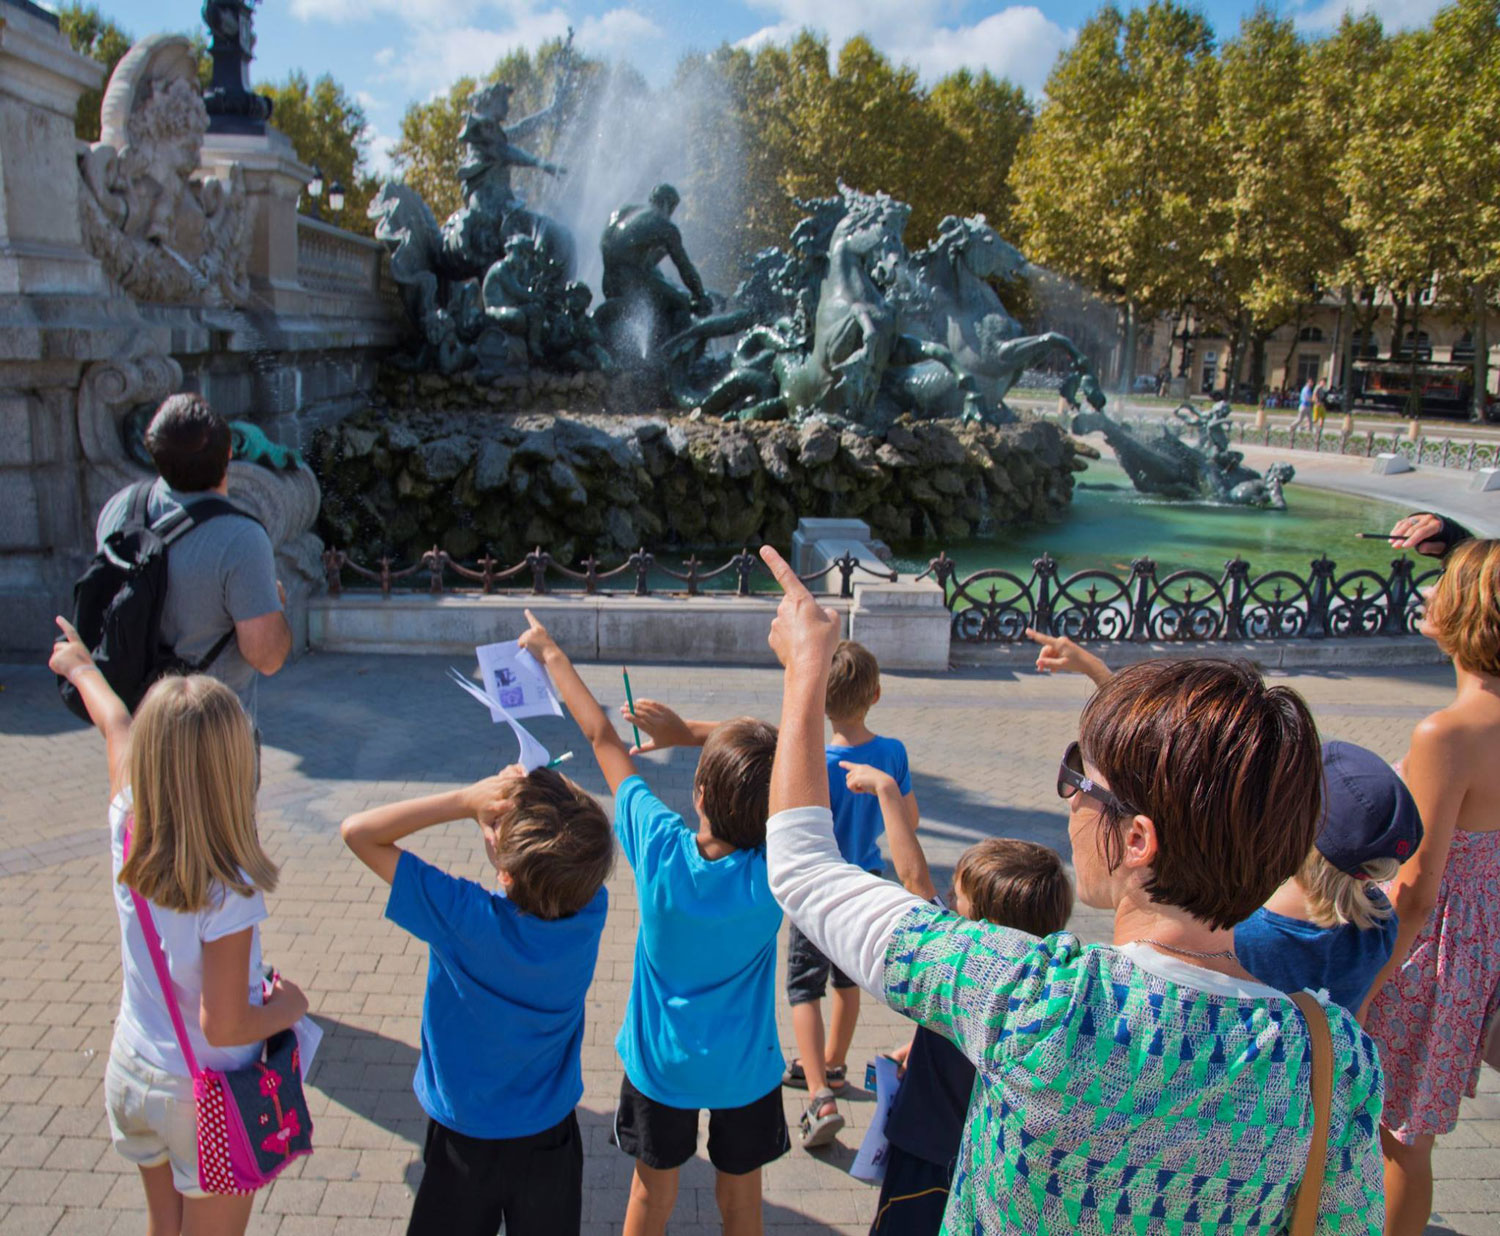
(1481, 338)
(1346, 349)
(1286, 366)
(1236, 354)
(1414, 397)
(1258, 362)
(1398, 329)
(1127, 362)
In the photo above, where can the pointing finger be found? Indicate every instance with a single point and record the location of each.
(783, 572)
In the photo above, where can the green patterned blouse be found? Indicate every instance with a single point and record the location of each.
(1113, 1099)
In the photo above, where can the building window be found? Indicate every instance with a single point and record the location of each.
(1210, 371)
(1364, 345)
(1308, 364)
(1463, 350)
(1310, 334)
(1420, 342)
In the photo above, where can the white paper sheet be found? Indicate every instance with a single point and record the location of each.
(874, 1151)
(309, 1036)
(532, 754)
(516, 682)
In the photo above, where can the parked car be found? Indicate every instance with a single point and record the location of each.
(1145, 384)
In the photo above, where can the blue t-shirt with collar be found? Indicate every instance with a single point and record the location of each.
(1293, 955)
(857, 822)
(502, 1020)
(700, 1026)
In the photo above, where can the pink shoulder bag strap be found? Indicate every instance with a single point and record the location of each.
(1310, 1191)
(159, 963)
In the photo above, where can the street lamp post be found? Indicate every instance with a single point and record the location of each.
(314, 192)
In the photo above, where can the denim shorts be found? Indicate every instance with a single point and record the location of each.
(808, 971)
(153, 1118)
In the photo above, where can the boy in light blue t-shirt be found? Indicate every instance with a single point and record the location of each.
(507, 974)
(700, 1026)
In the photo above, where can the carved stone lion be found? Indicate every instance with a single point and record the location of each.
(162, 235)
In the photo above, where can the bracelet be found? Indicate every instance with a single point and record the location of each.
(73, 673)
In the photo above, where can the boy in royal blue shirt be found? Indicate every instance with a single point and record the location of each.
(700, 1026)
(502, 1021)
(853, 689)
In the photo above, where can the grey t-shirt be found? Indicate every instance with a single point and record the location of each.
(220, 573)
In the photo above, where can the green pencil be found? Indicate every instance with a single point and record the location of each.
(630, 703)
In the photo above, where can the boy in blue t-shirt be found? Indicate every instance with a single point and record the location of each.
(502, 1021)
(1330, 927)
(700, 1026)
(853, 689)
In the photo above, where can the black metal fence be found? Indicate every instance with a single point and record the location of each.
(534, 574)
(996, 606)
(993, 605)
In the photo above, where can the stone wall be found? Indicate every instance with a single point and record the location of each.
(476, 480)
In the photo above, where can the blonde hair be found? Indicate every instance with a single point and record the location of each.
(1464, 608)
(853, 681)
(1336, 898)
(192, 782)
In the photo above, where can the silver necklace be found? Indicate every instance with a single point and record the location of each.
(1187, 952)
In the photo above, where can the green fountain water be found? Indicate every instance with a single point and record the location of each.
(1109, 524)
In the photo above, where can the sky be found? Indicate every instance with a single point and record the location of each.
(390, 53)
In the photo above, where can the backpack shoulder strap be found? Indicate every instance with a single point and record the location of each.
(138, 505)
(180, 522)
(1310, 1191)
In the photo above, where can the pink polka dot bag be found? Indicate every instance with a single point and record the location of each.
(252, 1121)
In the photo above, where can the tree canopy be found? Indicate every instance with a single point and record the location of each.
(328, 130)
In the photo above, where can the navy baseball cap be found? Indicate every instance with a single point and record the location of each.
(1368, 813)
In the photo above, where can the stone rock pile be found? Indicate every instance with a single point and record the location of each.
(470, 481)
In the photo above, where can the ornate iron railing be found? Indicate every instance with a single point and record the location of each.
(533, 573)
(996, 606)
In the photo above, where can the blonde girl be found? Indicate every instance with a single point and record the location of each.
(182, 779)
(1428, 1007)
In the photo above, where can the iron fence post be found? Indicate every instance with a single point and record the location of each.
(1398, 596)
(1319, 595)
(692, 574)
(487, 565)
(590, 575)
(385, 577)
(1046, 578)
(1473, 443)
(434, 559)
(333, 565)
(641, 560)
(744, 563)
(1237, 572)
(1143, 576)
(846, 565)
(537, 560)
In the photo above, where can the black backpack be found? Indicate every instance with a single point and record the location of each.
(117, 601)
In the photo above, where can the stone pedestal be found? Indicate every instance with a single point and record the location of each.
(1486, 480)
(818, 543)
(274, 178)
(906, 626)
(1388, 463)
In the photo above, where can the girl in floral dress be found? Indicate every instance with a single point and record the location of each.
(1428, 1007)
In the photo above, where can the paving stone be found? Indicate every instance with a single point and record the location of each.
(344, 733)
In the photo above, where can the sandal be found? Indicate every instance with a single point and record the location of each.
(795, 1078)
(820, 1130)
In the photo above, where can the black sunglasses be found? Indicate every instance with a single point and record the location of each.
(1071, 779)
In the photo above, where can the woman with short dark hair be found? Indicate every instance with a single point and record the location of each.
(1146, 1085)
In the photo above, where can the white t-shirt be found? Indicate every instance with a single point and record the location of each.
(145, 1025)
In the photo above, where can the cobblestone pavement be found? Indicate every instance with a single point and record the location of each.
(342, 733)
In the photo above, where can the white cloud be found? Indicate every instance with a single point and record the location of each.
(1393, 14)
(1019, 42)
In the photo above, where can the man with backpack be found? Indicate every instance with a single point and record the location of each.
(222, 613)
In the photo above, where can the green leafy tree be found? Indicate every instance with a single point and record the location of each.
(92, 34)
(1114, 182)
(986, 119)
(328, 129)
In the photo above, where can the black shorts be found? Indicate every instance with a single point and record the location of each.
(808, 971)
(470, 1185)
(913, 1196)
(740, 1139)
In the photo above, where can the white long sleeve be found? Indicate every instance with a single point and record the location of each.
(849, 914)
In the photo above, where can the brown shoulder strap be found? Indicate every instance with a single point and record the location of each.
(1305, 1213)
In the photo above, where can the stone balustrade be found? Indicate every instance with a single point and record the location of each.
(329, 259)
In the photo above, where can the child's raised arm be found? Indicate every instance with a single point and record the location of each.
(71, 659)
(613, 756)
(373, 834)
(1062, 655)
(900, 826)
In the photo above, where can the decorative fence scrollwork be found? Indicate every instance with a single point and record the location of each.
(1187, 606)
(745, 568)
